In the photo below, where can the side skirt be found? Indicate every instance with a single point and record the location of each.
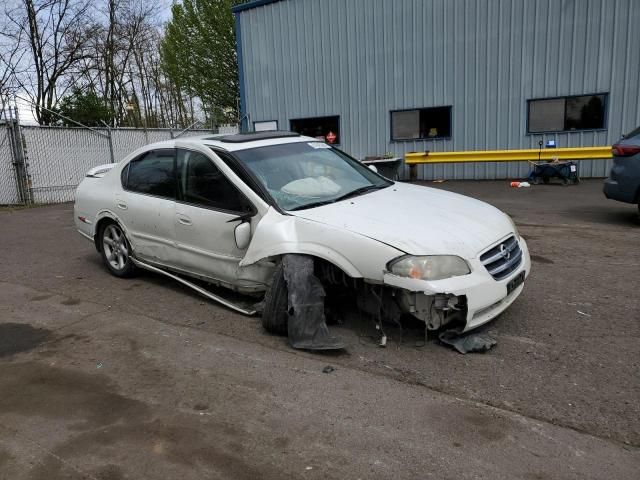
(193, 286)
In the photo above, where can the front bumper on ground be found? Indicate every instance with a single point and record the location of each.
(486, 297)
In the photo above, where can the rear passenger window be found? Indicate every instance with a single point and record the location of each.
(203, 184)
(153, 174)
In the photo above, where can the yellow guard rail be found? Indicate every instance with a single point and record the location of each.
(567, 153)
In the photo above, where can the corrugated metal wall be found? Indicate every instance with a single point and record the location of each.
(362, 58)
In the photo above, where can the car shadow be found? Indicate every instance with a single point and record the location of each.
(605, 215)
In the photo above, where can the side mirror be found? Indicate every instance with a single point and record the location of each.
(373, 168)
(243, 235)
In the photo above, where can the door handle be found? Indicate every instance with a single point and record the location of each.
(121, 205)
(184, 221)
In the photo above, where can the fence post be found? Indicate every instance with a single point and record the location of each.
(110, 140)
(20, 164)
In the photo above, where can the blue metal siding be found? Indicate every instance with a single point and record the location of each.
(360, 59)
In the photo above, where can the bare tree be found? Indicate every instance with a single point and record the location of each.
(52, 34)
(50, 49)
(11, 55)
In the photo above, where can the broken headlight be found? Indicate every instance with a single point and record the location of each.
(429, 267)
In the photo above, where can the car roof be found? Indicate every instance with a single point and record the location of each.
(239, 141)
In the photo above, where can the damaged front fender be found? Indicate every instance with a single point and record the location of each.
(356, 255)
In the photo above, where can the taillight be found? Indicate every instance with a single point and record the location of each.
(624, 150)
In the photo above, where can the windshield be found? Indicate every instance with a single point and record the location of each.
(307, 174)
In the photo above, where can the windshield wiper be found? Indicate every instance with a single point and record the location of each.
(352, 193)
(312, 205)
(360, 191)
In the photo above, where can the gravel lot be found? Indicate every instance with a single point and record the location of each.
(103, 378)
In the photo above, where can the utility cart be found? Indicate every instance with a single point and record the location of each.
(567, 172)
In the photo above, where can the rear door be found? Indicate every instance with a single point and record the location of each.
(147, 205)
(206, 216)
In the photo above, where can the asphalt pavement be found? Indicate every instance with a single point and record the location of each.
(104, 378)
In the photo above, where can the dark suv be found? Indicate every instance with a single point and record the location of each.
(623, 183)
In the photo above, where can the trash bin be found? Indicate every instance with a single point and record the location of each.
(387, 167)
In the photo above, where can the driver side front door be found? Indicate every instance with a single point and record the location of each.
(206, 216)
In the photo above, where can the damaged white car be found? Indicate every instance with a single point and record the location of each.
(289, 218)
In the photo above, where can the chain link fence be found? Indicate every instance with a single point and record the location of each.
(40, 165)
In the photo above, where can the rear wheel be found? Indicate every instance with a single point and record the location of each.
(275, 315)
(116, 251)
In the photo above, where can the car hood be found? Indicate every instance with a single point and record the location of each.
(417, 220)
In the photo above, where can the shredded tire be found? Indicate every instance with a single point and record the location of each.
(275, 315)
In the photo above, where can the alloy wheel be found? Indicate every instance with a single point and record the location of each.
(115, 247)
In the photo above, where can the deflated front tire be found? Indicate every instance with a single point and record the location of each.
(274, 314)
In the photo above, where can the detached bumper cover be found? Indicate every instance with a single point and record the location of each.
(486, 297)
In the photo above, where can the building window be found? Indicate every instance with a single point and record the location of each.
(268, 126)
(326, 129)
(422, 123)
(566, 114)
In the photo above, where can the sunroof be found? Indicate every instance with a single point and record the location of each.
(253, 136)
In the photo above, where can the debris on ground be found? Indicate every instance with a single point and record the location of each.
(328, 369)
(307, 327)
(467, 342)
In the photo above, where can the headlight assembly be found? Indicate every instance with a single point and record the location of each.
(429, 267)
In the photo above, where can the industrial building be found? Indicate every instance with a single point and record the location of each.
(387, 77)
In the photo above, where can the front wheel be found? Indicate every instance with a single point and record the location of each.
(116, 251)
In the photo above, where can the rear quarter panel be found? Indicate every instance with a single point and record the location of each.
(94, 197)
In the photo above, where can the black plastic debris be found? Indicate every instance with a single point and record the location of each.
(307, 327)
(328, 369)
(467, 342)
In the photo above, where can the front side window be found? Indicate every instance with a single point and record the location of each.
(152, 174)
(306, 174)
(421, 123)
(566, 114)
(204, 185)
(326, 129)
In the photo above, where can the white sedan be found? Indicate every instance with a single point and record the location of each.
(228, 210)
